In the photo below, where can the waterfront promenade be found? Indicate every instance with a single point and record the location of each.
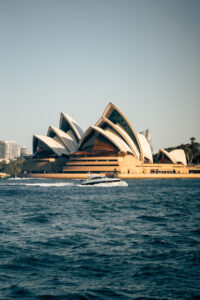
(122, 176)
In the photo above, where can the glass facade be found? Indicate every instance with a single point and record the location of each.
(96, 143)
(9, 150)
(116, 118)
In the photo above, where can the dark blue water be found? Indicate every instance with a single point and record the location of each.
(59, 240)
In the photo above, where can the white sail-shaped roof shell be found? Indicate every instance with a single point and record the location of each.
(55, 146)
(65, 138)
(146, 149)
(175, 156)
(121, 133)
(168, 155)
(128, 128)
(147, 134)
(179, 156)
(73, 127)
(113, 138)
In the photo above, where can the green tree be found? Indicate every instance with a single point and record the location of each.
(192, 151)
(14, 167)
(2, 165)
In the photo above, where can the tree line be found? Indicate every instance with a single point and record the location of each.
(13, 167)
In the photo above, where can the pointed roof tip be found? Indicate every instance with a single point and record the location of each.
(110, 104)
(54, 129)
(108, 107)
(69, 119)
(51, 126)
(64, 114)
(74, 126)
(134, 137)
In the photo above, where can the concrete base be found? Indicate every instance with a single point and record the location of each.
(122, 176)
(158, 176)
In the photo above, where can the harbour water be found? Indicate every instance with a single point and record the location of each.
(61, 240)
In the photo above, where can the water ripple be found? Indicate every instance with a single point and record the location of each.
(62, 241)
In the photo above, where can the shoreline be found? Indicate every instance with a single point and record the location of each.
(122, 176)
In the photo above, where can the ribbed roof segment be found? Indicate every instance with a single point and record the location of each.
(110, 136)
(68, 124)
(167, 154)
(175, 156)
(65, 138)
(179, 155)
(104, 123)
(117, 117)
(55, 146)
(113, 125)
(146, 148)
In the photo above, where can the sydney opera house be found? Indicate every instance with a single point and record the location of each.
(111, 146)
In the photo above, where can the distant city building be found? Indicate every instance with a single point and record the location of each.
(24, 151)
(9, 150)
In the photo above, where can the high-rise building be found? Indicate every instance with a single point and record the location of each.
(24, 151)
(9, 150)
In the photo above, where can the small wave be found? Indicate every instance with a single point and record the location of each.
(19, 292)
(37, 219)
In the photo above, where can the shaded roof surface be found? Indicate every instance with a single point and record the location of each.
(55, 146)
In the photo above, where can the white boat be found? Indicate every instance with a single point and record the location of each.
(98, 179)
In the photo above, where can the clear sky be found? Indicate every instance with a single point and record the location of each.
(76, 56)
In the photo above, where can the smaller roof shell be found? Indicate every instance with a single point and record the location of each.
(73, 125)
(175, 156)
(179, 155)
(69, 143)
(113, 138)
(53, 145)
(146, 148)
(168, 155)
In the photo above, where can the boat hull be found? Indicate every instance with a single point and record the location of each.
(93, 182)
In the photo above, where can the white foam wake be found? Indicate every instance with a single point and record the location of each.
(63, 184)
(24, 178)
(57, 184)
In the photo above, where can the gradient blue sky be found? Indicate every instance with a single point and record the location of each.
(77, 56)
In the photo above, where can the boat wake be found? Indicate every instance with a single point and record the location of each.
(46, 184)
(57, 184)
(42, 184)
(24, 178)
